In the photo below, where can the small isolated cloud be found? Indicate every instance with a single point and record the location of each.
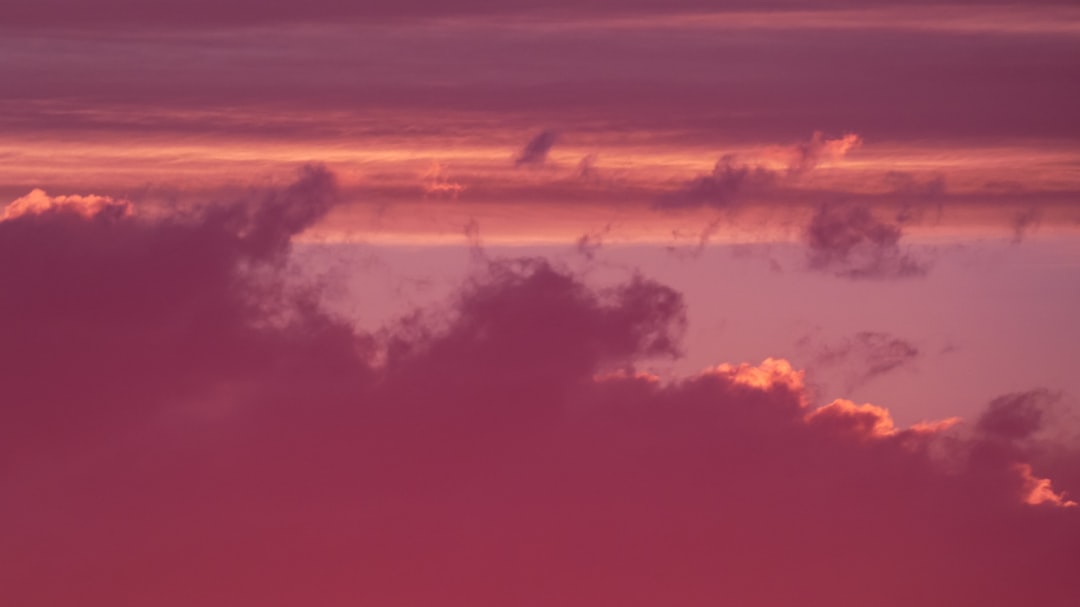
(1023, 222)
(852, 243)
(1017, 428)
(867, 355)
(589, 244)
(1016, 416)
(701, 240)
(535, 152)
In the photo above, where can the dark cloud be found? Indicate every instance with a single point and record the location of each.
(587, 167)
(588, 245)
(852, 243)
(179, 427)
(809, 154)
(1016, 416)
(536, 150)
(722, 187)
(1023, 222)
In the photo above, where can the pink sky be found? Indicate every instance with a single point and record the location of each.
(540, 303)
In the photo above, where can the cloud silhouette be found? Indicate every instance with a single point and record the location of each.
(179, 427)
(809, 154)
(729, 179)
(867, 355)
(852, 243)
(536, 150)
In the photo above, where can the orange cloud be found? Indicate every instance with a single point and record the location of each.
(771, 373)
(866, 419)
(38, 202)
(1040, 490)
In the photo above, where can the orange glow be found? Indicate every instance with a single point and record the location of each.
(1039, 490)
(38, 202)
(870, 420)
(771, 373)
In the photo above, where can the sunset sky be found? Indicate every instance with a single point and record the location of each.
(548, 302)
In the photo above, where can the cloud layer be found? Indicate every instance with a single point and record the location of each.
(179, 427)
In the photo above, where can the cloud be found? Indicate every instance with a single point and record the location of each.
(1015, 416)
(536, 150)
(38, 202)
(438, 183)
(850, 242)
(180, 427)
(867, 355)
(587, 167)
(590, 243)
(808, 155)
(1023, 222)
(720, 188)
(731, 178)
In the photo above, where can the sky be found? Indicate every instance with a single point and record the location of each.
(641, 302)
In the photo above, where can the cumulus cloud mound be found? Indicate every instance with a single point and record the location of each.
(169, 437)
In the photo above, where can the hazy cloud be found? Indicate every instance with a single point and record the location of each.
(732, 178)
(867, 355)
(852, 243)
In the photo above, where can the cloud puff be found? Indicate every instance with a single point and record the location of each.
(1023, 222)
(1015, 416)
(536, 150)
(178, 427)
(851, 242)
(866, 355)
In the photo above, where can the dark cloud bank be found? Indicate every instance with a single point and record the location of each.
(177, 428)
